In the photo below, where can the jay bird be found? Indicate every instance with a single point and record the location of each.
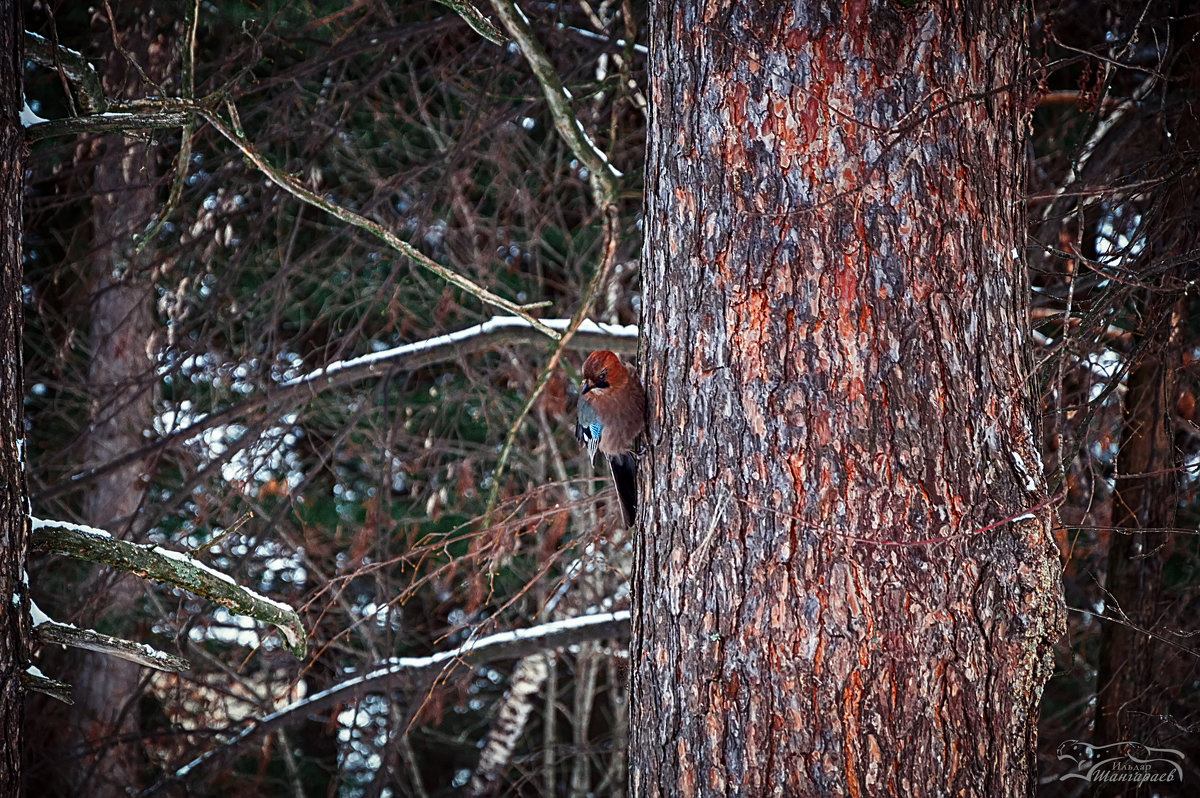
(612, 414)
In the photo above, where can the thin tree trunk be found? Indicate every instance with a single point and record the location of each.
(1143, 506)
(13, 493)
(846, 581)
(512, 713)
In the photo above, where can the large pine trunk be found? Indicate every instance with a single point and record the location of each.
(846, 581)
(13, 517)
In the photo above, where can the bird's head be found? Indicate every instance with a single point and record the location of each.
(602, 370)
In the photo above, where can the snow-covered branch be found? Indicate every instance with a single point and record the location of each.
(414, 671)
(67, 635)
(497, 331)
(163, 565)
(77, 69)
(104, 123)
(32, 679)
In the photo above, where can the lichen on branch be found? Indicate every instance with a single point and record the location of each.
(170, 567)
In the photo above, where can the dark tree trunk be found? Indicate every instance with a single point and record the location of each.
(1143, 507)
(1131, 702)
(13, 495)
(835, 326)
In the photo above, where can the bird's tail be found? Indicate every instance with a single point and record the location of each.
(624, 471)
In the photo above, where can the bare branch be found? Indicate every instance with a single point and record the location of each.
(184, 158)
(293, 187)
(475, 18)
(105, 123)
(601, 174)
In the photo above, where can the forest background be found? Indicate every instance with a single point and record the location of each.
(203, 299)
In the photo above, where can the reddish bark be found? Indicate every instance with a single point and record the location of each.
(835, 325)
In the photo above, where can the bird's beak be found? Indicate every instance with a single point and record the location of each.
(584, 387)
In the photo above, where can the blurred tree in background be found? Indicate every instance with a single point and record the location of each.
(179, 305)
(1114, 210)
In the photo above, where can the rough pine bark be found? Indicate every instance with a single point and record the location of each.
(13, 494)
(846, 582)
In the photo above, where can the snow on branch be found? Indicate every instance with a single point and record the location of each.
(67, 635)
(496, 331)
(171, 567)
(77, 69)
(411, 672)
(105, 123)
(32, 679)
(98, 116)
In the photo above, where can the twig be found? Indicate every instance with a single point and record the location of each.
(184, 158)
(475, 18)
(234, 527)
(298, 191)
(601, 174)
